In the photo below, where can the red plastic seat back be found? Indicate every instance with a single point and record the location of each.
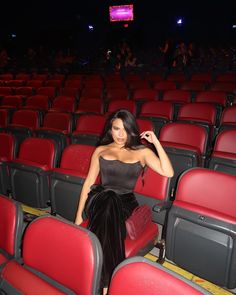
(205, 189)
(202, 112)
(229, 115)
(38, 150)
(217, 97)
(4, 118)
(226, 142)
(145, 94)
(65, 103)
(15, 101)
(139, 276)
(58, 121)
(77, 153)
(38, 101)
(11, 217)
(91, 124)
(152, 184)
(187, 134)
(26, 118)
(66, 253)
(129, 105)
(182, 96)
(163, 109)
(7, 146)
(145, 125)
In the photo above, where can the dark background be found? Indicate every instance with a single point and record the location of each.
(64, 24)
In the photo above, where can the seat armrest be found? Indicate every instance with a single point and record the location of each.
(159, 207)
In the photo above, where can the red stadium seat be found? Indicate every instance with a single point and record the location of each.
(29, 172)
(11, 224)
(138, 276)
(55, 263)
(67, 180)
(8, 151)
(88, 129)
(201, 228)
(223, 157)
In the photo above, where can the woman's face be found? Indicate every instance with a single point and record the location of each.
(118, 132)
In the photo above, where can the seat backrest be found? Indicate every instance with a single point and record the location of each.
(217, 97)
(152, 184)
(4, 90)
(187, 134)
(91, 124)
(11, 227)
(77, 157)
(4, 117)
(58, 121)
(15, 101)
(162, 109)
(165, 85)
(226, 141)
(204, 77)
(178, 95)
(118, 93)
(93, 105)
(65, 103)
(145, 94)
(26, 118)
(47, 90)
(24, 90)
(129, 105)
(73, 259)
(226, 77)
(229, 115)
(193, 85)
(202, 112)
(38, 150)
(223, 86)
(7, 146)
(38, 101)
(138, 276)
(212, 191)
(145, 125)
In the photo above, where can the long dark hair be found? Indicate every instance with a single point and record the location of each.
(130, 125)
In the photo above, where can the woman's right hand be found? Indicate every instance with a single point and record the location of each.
(78, 220)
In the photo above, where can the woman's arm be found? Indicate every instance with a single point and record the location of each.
(162, 165)
(89, 181)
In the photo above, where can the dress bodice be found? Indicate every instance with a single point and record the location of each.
(119, 175)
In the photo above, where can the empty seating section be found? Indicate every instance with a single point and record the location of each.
(8, 151)
(138, 276)
(223, 157)
(11, 229)
(29, 172)
(50, 125)
(202, 224)
(55, 263)
(67, 180)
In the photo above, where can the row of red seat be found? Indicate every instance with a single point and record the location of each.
(71, 263)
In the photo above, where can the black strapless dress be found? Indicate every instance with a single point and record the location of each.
(108, 206)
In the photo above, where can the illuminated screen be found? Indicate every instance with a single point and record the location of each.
(121, 13)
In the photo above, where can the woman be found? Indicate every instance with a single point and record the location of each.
(120, 159)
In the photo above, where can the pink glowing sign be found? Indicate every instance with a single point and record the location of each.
(121, 13)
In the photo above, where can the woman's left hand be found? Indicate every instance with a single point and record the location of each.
(149, 136)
